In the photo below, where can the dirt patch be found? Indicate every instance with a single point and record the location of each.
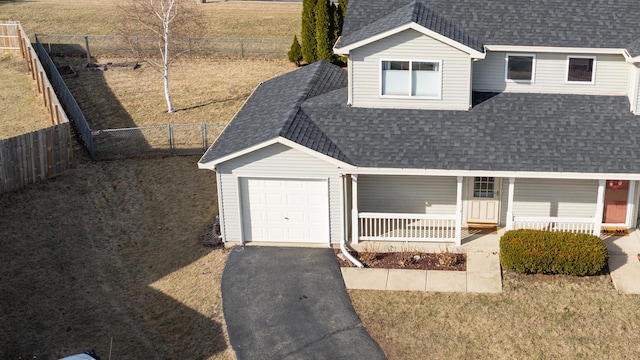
(406, 260)
(515, 280)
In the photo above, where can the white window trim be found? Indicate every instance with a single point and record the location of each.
(593, 73)
(533, 68)
(439, 97)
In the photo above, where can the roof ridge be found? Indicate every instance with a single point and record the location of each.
(296, 103)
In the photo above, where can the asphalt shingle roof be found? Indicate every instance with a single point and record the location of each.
(273, 110)
(502, 132)
(588, 23)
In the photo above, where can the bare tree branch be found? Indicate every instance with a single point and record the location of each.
(164, 21)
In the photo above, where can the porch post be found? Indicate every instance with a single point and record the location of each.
(459, 211)
(597, 226)
(631, 204)
(512, 187)
(354, 209)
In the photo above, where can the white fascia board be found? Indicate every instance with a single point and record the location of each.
(502, 174)
(474, 54)
(555, 49)
(211, 165)
(634, 60)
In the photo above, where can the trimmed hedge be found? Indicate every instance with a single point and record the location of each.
(545, 252)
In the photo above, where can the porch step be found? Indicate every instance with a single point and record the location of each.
(479, 226)
(615, 231)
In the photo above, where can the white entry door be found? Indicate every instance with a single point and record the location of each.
(484, 202)
(285, 210)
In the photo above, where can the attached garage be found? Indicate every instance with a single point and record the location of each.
(284, 210)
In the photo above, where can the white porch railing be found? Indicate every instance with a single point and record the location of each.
(407, 227)
(574, 225)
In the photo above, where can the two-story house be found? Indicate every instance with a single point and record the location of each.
(452, 113)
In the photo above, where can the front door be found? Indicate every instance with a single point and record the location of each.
(616, 194)
(484, 205)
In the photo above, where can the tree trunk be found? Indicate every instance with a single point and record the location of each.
(165, 73)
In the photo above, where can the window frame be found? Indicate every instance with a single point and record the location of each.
(410, 83)
(593, 70)
(533, 68)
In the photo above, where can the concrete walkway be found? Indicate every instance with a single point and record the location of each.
(483, 275)
(624, 266)
(291, 303)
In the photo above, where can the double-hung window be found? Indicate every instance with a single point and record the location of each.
(520, 68)
(411, 79)
(581, 69)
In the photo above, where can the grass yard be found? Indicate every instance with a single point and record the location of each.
(221, 19)
(112, 250)
(547, 318)
(22, 107)
(203, 90)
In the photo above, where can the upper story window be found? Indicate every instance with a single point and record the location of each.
(581, 69)
(411, 79)
(520, 67)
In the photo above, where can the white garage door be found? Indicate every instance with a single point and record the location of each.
(285, 210)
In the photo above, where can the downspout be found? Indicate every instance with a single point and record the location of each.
(343, 240)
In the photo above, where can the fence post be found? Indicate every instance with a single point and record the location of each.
(241, 49)
(20, 42)
(170, 135)
(204, 136)
(86, 42)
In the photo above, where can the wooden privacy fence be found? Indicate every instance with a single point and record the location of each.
(35, 156)
(14, 40)
(41, 154)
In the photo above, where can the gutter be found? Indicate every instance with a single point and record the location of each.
(343, 240)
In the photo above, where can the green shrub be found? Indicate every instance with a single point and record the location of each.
(295, 53)
(545, 252)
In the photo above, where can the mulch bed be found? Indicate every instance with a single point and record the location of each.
(407, 260)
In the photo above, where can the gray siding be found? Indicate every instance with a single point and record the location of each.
(407, 194)
(276, 161)
(612, 75)
(410, 45)
(551, 197)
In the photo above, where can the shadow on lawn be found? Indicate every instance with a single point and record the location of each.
(103, 110)
(79, 254)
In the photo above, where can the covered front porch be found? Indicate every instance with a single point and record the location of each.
(448, 209)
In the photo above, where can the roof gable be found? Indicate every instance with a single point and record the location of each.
(415, 15)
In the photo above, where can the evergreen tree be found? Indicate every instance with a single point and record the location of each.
(324, 45)
(309, 31)
(295, 53)
(342, 5)
(335, 24)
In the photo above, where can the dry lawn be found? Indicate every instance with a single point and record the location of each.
(22, 107)
(221, 19)
(203, 90)
(532, 319)
(112, 250)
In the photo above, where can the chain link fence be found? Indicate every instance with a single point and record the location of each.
(171, 139)
(121, 46)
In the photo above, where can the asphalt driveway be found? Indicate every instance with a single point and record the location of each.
(291, 303)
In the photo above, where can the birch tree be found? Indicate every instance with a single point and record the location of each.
(168, 24)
